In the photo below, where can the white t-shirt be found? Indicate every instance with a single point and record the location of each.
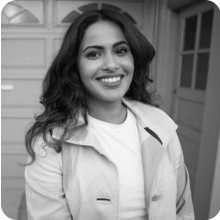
(122, 144)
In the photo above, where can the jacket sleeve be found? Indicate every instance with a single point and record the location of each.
(44, 185)
(184, 205)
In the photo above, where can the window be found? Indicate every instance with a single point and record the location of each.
(16, 14)
(74, 14)
(195, 50)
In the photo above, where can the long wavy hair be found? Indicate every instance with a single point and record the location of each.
(63, 95)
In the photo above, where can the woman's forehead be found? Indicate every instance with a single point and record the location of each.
(103, 32)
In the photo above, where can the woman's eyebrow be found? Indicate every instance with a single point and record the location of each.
(119, 43)
(101, 47)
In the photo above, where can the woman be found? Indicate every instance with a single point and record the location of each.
(102, 149)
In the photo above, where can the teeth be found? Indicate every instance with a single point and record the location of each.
(110, 80)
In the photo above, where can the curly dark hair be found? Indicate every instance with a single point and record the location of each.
(64, 97)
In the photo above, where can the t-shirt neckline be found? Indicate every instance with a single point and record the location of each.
(93, 120)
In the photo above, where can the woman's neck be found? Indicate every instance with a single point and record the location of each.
(112, 112)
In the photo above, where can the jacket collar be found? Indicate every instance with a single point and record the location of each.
(156, 122)
(151, 122)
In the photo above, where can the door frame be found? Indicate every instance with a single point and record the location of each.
(207, 159)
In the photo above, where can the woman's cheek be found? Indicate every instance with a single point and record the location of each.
(87, 68)
(92, 66)
(128, 65)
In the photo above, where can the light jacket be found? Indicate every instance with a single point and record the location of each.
(81, 182)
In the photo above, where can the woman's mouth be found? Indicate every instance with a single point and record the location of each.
(111, 80)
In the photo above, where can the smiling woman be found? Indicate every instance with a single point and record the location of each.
(106, 68)
(102, 149)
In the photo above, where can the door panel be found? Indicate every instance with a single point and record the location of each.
(13, 162)
(14, 129)
(190, 114)
(191, 133)
(23, 53)
(17, 93)
(191, 150)
(195, 29)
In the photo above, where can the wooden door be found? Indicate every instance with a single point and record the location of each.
(195, 29)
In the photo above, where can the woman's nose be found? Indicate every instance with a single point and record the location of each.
(110, 63)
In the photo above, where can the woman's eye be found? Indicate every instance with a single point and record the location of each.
(122, 51)
(93, 55)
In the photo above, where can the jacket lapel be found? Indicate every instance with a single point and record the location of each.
(155, 121)
(152, 152)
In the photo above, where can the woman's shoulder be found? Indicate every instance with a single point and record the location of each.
(152, 113)
(45, 152)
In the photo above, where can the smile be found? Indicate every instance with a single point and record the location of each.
(111, 80)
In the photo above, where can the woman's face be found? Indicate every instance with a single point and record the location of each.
(105, 62)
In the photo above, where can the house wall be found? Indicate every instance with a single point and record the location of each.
(165, 45)
(182, 4)
(215, 195)
(215, 199)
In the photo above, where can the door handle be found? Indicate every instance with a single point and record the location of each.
(8, 87)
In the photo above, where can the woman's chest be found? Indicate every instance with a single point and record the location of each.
(93, 188)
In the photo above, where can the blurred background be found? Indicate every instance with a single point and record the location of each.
(185, 34)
